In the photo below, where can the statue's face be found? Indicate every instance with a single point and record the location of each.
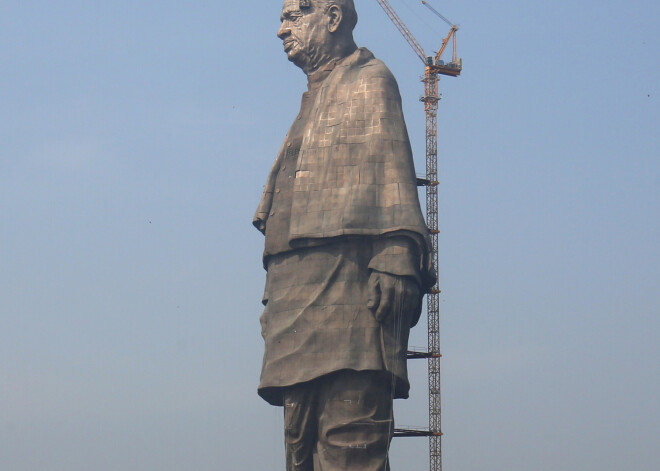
(305, 34)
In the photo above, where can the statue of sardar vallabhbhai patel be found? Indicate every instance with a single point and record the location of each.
(347, 251)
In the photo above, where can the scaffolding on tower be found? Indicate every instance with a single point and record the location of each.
(434, 66)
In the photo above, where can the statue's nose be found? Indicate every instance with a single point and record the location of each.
(284, 31)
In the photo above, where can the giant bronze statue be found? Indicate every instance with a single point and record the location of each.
(346, 250)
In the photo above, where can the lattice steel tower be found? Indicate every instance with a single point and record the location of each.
(434, 67)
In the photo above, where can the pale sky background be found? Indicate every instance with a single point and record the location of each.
(135, 137)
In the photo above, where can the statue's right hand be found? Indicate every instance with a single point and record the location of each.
(260, 223)
(392, 293)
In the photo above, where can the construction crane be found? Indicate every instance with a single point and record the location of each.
(454, 67)
(434, 66)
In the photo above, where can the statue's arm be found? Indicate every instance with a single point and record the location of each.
(396, 255)
(394, 280)
(261, 214)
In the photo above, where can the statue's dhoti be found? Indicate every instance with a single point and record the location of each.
(316, 321)
(341, 421)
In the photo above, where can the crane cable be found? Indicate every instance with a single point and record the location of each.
(437, 13)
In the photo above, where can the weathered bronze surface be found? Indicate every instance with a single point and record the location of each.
(346, 250)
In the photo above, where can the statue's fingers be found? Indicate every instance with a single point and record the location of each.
(386, 302)
(410, 301)
(415, 309)
(373, 292)
(413, 299)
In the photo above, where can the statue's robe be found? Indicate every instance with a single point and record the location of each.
(340, 202)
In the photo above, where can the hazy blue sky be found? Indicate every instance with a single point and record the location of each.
(135, 137)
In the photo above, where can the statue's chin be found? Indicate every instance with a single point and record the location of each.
(297, 59)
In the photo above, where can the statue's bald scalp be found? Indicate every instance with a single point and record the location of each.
(347, 7)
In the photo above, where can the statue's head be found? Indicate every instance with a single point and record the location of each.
(316, 31)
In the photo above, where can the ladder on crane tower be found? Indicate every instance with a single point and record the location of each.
(434, 66)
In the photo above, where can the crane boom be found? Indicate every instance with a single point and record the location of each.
(419, 50)
(452, 33)
(453, 69)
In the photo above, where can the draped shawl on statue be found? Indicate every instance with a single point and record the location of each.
(355, 173)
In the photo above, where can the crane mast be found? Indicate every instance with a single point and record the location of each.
(434, 66)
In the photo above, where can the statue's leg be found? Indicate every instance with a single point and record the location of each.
(300, 426)
(355, 421)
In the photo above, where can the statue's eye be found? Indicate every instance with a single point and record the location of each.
(292, 18)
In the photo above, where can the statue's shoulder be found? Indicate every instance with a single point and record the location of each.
(365, 59)
(363, 64)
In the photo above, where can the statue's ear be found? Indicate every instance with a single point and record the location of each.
(335, 17)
